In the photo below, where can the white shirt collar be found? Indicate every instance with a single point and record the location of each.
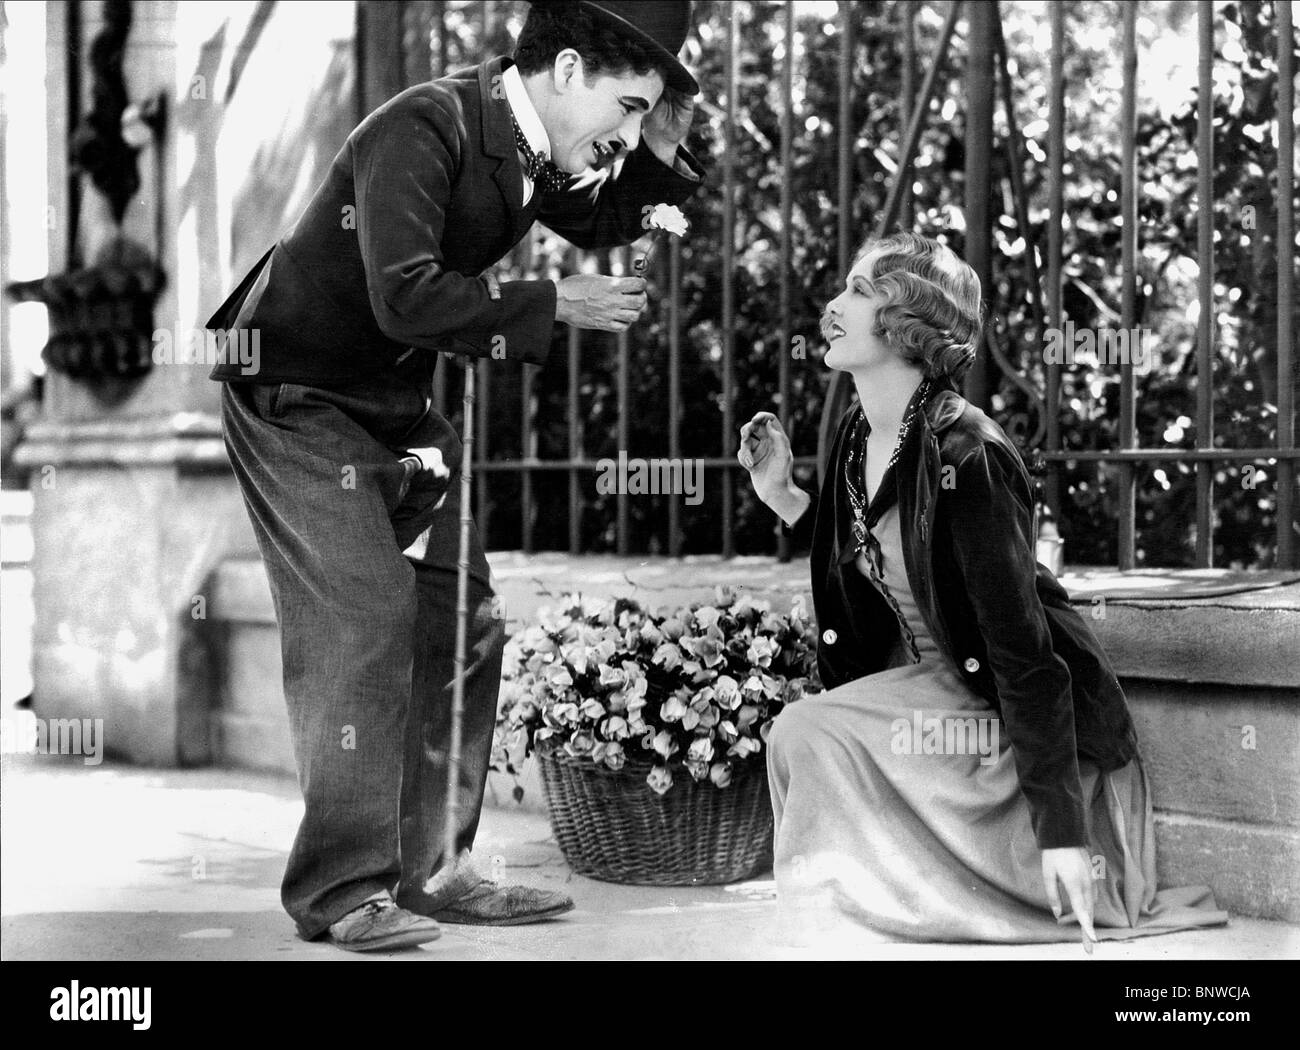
(522, 107)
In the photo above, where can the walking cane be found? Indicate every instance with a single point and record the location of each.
(462, 625)
(430, 459)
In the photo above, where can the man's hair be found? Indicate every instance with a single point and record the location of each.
(552, 27)
(929, 307)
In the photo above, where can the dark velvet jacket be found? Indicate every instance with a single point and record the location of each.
(390, 253)
(966, 515)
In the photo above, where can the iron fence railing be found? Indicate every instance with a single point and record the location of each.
(987, 68)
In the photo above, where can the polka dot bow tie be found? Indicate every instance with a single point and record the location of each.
(536, 165)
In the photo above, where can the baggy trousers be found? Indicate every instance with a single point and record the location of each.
(367, 634)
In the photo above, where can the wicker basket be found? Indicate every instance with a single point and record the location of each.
(612, 826)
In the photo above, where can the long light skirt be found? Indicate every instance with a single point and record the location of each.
(938, 846)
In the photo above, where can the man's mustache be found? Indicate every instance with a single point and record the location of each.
(607, 153)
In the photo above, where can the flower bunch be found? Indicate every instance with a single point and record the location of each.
(693, 691)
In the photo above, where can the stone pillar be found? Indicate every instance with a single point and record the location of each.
(135, 505)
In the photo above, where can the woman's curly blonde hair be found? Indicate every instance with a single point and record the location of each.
(929, 303)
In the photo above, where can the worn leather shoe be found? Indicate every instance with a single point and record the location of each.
(380, 925)
(488, 904)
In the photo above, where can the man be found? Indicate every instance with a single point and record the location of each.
(384, 269)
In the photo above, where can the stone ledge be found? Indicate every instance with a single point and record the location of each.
(1251, 868)
(1247, 639)
(185, 440)
(1238, 638)
(657, 581)
(241, 592)
(1204, 641)
(1219, 752)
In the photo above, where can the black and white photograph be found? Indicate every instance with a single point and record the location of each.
(642, 481)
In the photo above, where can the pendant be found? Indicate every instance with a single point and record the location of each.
(860, 532)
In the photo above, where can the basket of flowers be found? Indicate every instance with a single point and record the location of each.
(649, 731)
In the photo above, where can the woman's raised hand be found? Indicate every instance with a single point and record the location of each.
(765, 452)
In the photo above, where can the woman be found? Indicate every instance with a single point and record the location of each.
(973, 756)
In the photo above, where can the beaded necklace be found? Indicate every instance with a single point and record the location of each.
(867, 544)
(855, 463)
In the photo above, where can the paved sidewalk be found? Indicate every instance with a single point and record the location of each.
(119, 862)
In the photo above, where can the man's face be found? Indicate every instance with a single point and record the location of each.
(595, 120)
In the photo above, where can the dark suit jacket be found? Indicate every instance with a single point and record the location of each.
(424, 196)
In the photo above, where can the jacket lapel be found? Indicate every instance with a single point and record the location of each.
(499, 141)
(845, 547)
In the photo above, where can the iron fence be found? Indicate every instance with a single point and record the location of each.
(423, 30)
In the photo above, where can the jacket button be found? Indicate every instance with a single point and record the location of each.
(829, 636)
(971, 664)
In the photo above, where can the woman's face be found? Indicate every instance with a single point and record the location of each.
(848, 323)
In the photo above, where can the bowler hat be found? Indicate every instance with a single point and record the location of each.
(661, 25)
